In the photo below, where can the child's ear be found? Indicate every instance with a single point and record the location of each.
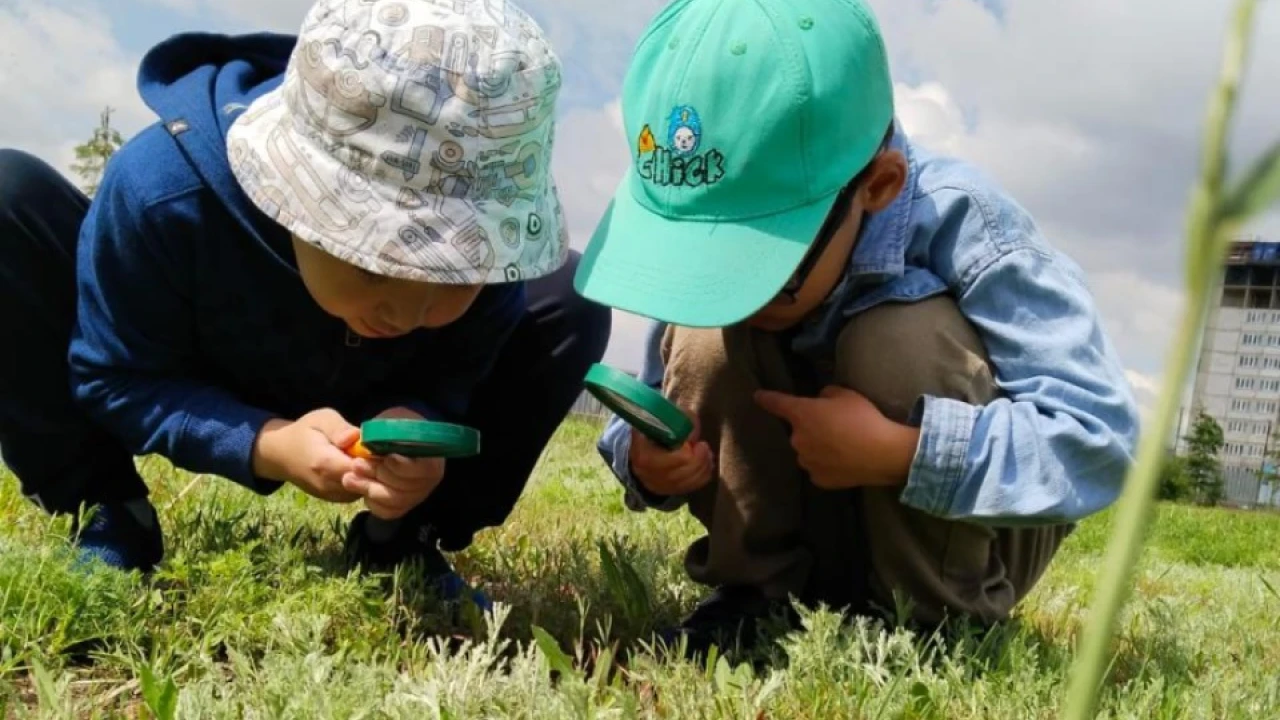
(885, 181)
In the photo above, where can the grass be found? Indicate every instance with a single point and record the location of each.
(254, 616)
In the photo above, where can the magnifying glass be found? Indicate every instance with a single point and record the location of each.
(415, 439)
(644, 408)
(412, 439)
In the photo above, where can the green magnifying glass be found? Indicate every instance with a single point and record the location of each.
(642, 407)
(415, 439)
(412, 439)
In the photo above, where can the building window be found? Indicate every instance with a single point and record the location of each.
(1244, 383)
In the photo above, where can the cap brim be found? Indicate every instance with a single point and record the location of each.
(694, 273)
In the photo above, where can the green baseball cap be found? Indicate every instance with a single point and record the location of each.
(745, 118)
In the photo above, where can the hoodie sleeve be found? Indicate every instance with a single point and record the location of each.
(133, 345)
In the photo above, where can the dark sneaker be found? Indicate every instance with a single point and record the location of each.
(408, 542)
(126, 536)
(731, 619)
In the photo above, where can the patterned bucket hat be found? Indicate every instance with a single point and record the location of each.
(413, 138)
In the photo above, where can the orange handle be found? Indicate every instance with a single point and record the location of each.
(358, 450)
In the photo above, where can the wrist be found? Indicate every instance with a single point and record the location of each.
(267, 461)
(642, 488)
(901, 443)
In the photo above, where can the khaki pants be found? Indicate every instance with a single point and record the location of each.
(769, 527)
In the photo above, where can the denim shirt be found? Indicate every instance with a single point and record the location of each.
(1056, 445)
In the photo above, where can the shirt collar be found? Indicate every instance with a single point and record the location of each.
(882, 243)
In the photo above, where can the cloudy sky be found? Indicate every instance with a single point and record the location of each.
(1089, 112)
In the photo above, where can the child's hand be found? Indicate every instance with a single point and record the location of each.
(394, 485)
(672, 473)
(308, 453)
(842, 440)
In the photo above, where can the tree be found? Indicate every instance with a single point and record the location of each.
(93, 155)
(1175, 484)
(1202, 466)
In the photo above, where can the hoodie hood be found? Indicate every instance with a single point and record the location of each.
(198, 84)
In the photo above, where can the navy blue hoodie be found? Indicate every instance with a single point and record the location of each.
(194, 326)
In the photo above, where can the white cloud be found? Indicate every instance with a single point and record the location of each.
(183, 5)
(272, 15)
(594, 39)
(1091, 124)
(61, 69)
(1088, 112)
(1146, 388)
(590, 157)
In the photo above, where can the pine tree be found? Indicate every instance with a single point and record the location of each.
(1202, 467)
(93, 155)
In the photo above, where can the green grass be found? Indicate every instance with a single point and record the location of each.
(253, 616)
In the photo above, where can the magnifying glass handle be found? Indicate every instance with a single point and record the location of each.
(358, 450)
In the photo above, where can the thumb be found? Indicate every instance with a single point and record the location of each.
(337, 430)
(343, 436)
(779, 404)
(836, 391)
(696, 435)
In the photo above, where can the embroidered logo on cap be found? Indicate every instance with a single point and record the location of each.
(679, 163)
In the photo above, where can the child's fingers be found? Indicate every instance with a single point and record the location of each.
(708, 459)
(385, 511)
(410, 476)
(696, 435)
(413, 467)
(648, 455)
(781, 405)
(690, 474)
(377, 495)
(697, 478)
(357, 484)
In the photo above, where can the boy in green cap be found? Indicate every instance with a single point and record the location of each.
(903, 394)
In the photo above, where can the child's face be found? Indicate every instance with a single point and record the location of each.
(377, 307)
(882, 184)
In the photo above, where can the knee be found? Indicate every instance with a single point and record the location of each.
(593, 320)
(24, 179)
(896, 353)
(588, 324)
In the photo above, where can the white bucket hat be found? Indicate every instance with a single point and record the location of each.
(412, 138)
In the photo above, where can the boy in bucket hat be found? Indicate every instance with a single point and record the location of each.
(903, 394)
(356, 222)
